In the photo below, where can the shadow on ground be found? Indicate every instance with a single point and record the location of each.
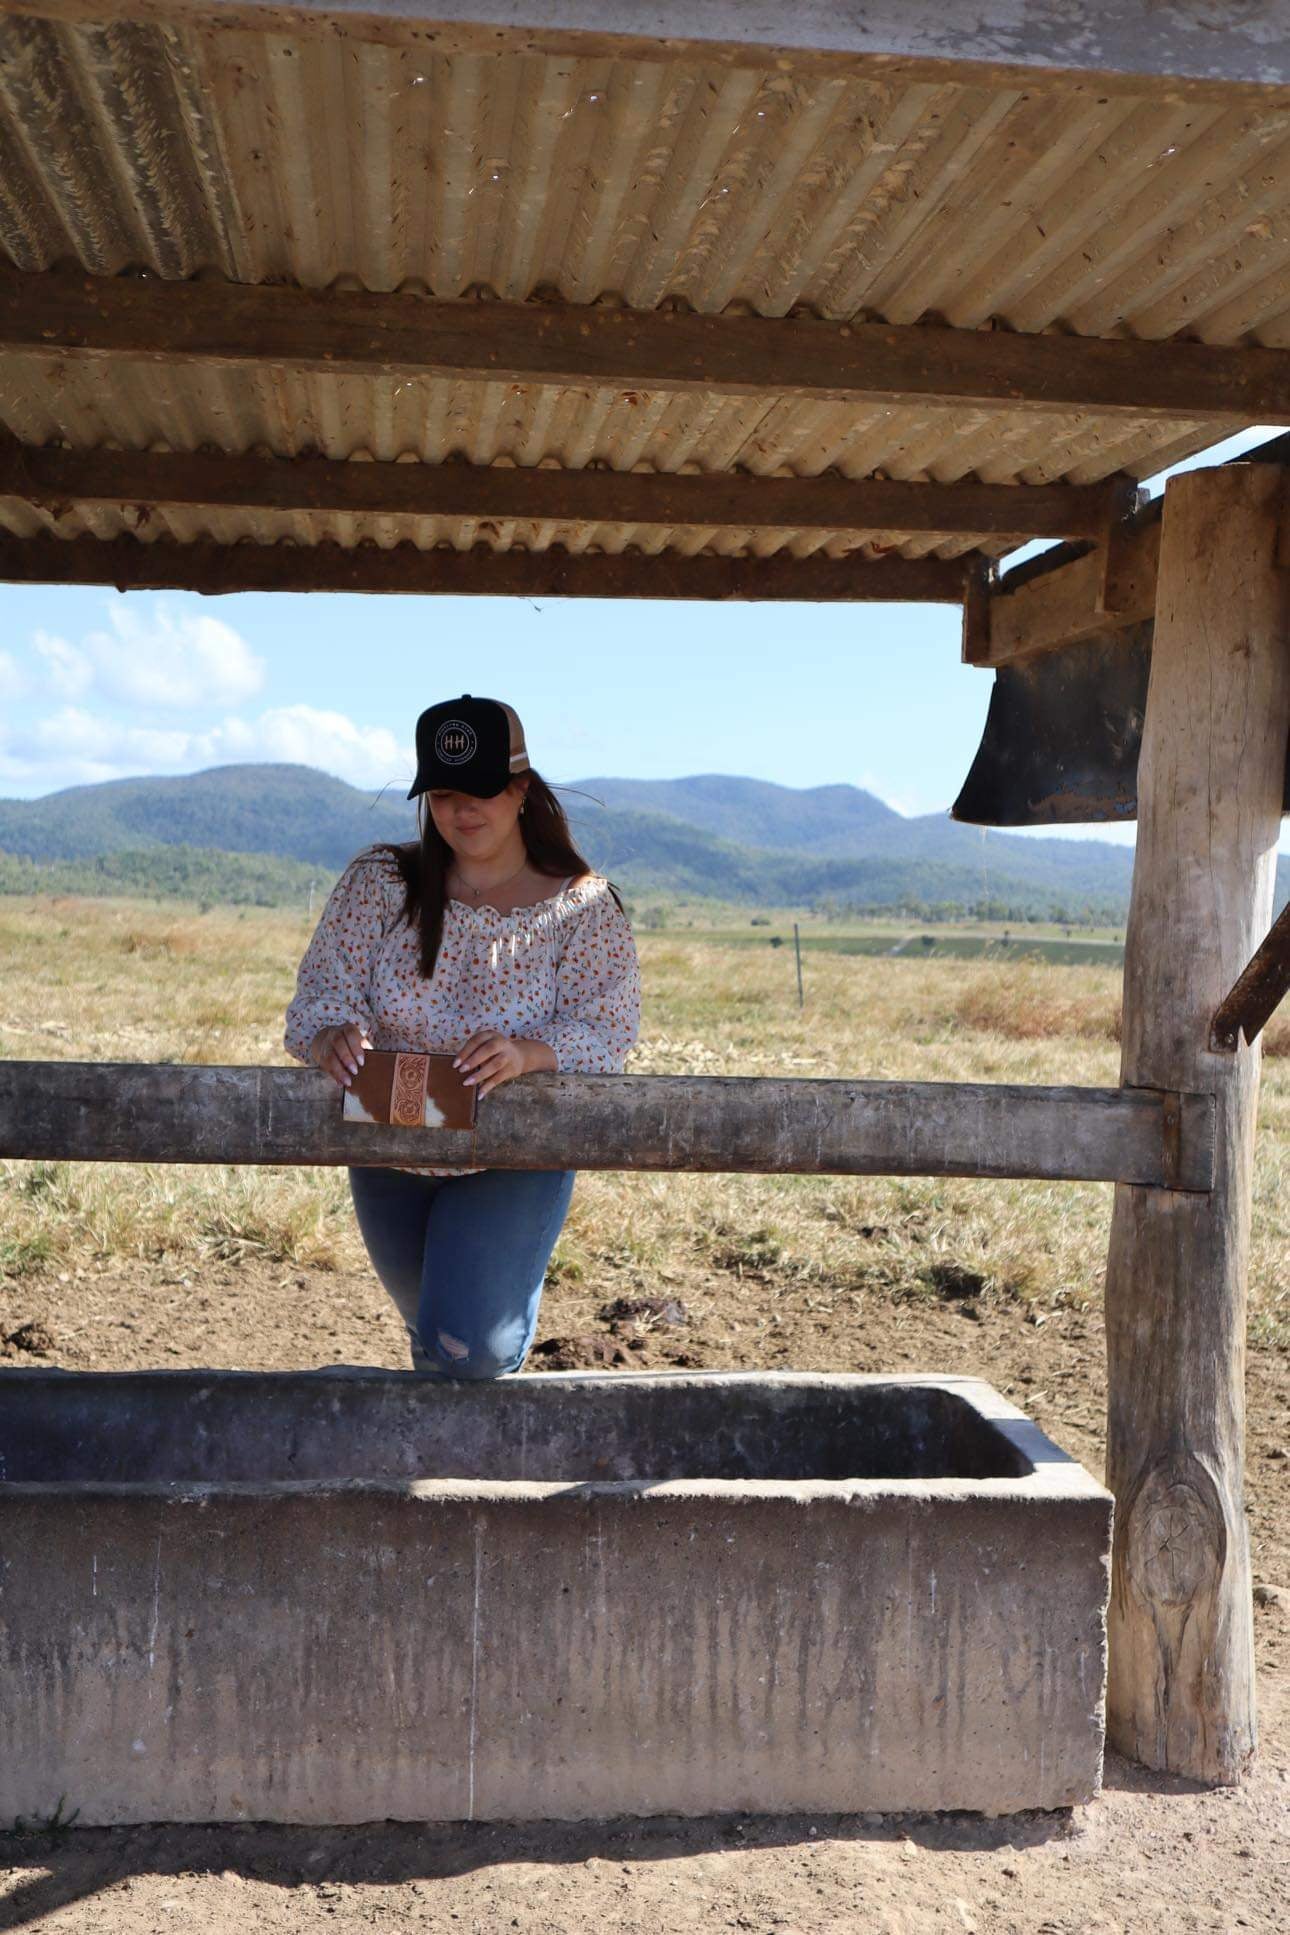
(78, 1863)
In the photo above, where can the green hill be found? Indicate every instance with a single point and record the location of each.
(202, 874)
(650, 852)
(261, 832)
(929, 857)
(833, 821)
(293, 811)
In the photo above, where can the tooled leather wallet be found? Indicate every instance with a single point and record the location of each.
(409, 1091)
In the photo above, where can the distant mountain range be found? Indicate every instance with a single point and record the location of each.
(834, 844)
(830, 821)
(715, 836)
(294, 811)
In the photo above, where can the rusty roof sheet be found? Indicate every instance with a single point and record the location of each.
(180, 147)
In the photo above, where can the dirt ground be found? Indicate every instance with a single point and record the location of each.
(1151, 1855)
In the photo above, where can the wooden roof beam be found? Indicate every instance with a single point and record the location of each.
(55, 478)
(132, 565)
(1109, 588)
(357, 332)
(1061, 598)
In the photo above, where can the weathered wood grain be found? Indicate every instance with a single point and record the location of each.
(1209, 805)
(363, 332)
(1105, 590)
(481, 572)
(163, 1112)
(56, 479)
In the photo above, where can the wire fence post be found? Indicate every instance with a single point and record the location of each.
(797, 949)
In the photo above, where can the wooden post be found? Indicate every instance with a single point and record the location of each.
(1181, 1693)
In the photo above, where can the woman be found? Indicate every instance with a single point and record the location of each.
(492, 939)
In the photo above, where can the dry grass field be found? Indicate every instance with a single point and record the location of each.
(118, 1267)
(121, 981)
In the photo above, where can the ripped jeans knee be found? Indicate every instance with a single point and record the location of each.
(497, 1354)
(464, 1259)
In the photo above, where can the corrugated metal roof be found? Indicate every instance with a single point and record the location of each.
(182, 149)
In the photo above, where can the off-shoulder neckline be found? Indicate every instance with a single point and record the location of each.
(580, 888)
(574, 888)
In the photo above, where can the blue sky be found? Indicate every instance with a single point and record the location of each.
(96, 685)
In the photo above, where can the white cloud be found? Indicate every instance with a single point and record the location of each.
(169, 660)
(13, 680)
(302, 735)
(904, 802)
(75, 746)
(67, 670)
(81, 737)
(156, 660)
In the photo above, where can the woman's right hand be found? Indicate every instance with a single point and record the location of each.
(338, 1051)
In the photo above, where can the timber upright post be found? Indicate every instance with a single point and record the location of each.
(1210, 779)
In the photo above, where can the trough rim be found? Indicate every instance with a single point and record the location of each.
(1054, 1474)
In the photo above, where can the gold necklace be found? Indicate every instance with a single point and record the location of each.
(497, 884)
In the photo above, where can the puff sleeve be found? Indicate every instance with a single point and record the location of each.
(598, 993)
(334, 979)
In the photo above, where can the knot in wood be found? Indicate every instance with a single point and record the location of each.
(1175, 1535)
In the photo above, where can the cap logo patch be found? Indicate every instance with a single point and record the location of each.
(455, 742)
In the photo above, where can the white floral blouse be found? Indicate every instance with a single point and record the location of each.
(563, 971)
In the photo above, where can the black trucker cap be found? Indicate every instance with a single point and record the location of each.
(468, 745)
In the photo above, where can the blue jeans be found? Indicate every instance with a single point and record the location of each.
(464, 1259)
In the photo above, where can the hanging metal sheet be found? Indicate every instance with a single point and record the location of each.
(1062, 736)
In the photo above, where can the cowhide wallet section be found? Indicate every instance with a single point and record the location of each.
(410, 1091)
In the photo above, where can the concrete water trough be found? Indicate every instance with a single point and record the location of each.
(338, 1597)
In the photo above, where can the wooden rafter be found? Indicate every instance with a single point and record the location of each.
(53, 477)
(1110, 588)
(157, 1112)
(358, 332)
(132, 565)
(1085, 592)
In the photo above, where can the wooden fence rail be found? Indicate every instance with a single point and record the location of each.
(162, 1112)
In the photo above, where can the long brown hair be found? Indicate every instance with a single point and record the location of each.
(424, 863)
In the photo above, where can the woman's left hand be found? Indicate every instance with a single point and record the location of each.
(488, 1059)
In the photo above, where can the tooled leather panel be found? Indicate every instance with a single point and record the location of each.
(408, 1090)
